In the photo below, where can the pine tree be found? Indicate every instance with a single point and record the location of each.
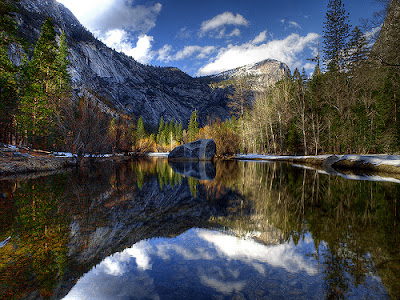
(357, 49)
(335, 34)
(40, 93)
(179, 133)
(140, 132)
(8, 72)
(193, 127)
(160, 130)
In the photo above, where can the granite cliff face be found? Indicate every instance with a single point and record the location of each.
(261, 75)
(120, 82)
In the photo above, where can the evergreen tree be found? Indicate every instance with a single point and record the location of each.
(357, 49)
(140, 132)
(179, 133)
(8, 72)
(335, 34)
(160, 130)
(45, 81)
(37, 105)
(193, 127)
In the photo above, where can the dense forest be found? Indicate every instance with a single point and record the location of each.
(347, 105)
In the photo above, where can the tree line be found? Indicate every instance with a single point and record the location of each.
(348, 105)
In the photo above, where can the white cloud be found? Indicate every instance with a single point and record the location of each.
(88, 10)
(290, 24)
(164, 54)
(106, 15)
(293, 24)
(285, 50)
(262, 37)
(235, 32)
(183, 33)
(117, 22)
(120, 41)
(221, 20)
(309, 66)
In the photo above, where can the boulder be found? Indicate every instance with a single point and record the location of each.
(199, 150)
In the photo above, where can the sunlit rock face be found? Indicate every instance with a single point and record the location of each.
(260, 75)
(120, 82)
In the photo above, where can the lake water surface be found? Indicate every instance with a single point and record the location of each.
(147, 229)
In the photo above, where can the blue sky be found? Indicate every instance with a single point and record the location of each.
(210, 36)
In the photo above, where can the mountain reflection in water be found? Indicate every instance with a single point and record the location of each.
(246, 229)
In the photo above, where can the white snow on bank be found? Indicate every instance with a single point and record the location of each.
(63, 154)
(158, 154)
(278, 157)
(376, 159)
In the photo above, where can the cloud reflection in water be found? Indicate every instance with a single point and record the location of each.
(210, 262)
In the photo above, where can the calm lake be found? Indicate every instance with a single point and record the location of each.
(147, 229)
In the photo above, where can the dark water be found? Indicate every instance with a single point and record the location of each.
(241, 230)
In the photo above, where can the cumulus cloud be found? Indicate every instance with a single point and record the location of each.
(164, 54)
(262, 37)
(133, 18)
(235, 32)
(285, 50)
(118, 22)
(120, 41)
(106, 15)
(222, 20)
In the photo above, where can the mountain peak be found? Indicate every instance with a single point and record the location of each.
(263, 74)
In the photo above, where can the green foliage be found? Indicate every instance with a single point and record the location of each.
(45, 83)
(193, 127)
(335, 34)
(140, 131)
(8, 72)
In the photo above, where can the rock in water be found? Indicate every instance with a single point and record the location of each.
(198, 150)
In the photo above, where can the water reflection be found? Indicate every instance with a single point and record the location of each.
(202, 170)
(207, 264)
(269, 225)
(198, 264)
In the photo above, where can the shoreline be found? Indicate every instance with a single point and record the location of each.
(389, 164)
(25, 163)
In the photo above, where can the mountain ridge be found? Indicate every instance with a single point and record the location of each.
(117, 80)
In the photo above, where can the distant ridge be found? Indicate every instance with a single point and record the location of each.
(261, 75)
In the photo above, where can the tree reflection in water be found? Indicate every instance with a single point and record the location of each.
(64, 224)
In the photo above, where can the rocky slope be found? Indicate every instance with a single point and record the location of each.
(120, 82)
(385, 49)
(261, 75)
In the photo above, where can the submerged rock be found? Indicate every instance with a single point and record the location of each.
(203, 149)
